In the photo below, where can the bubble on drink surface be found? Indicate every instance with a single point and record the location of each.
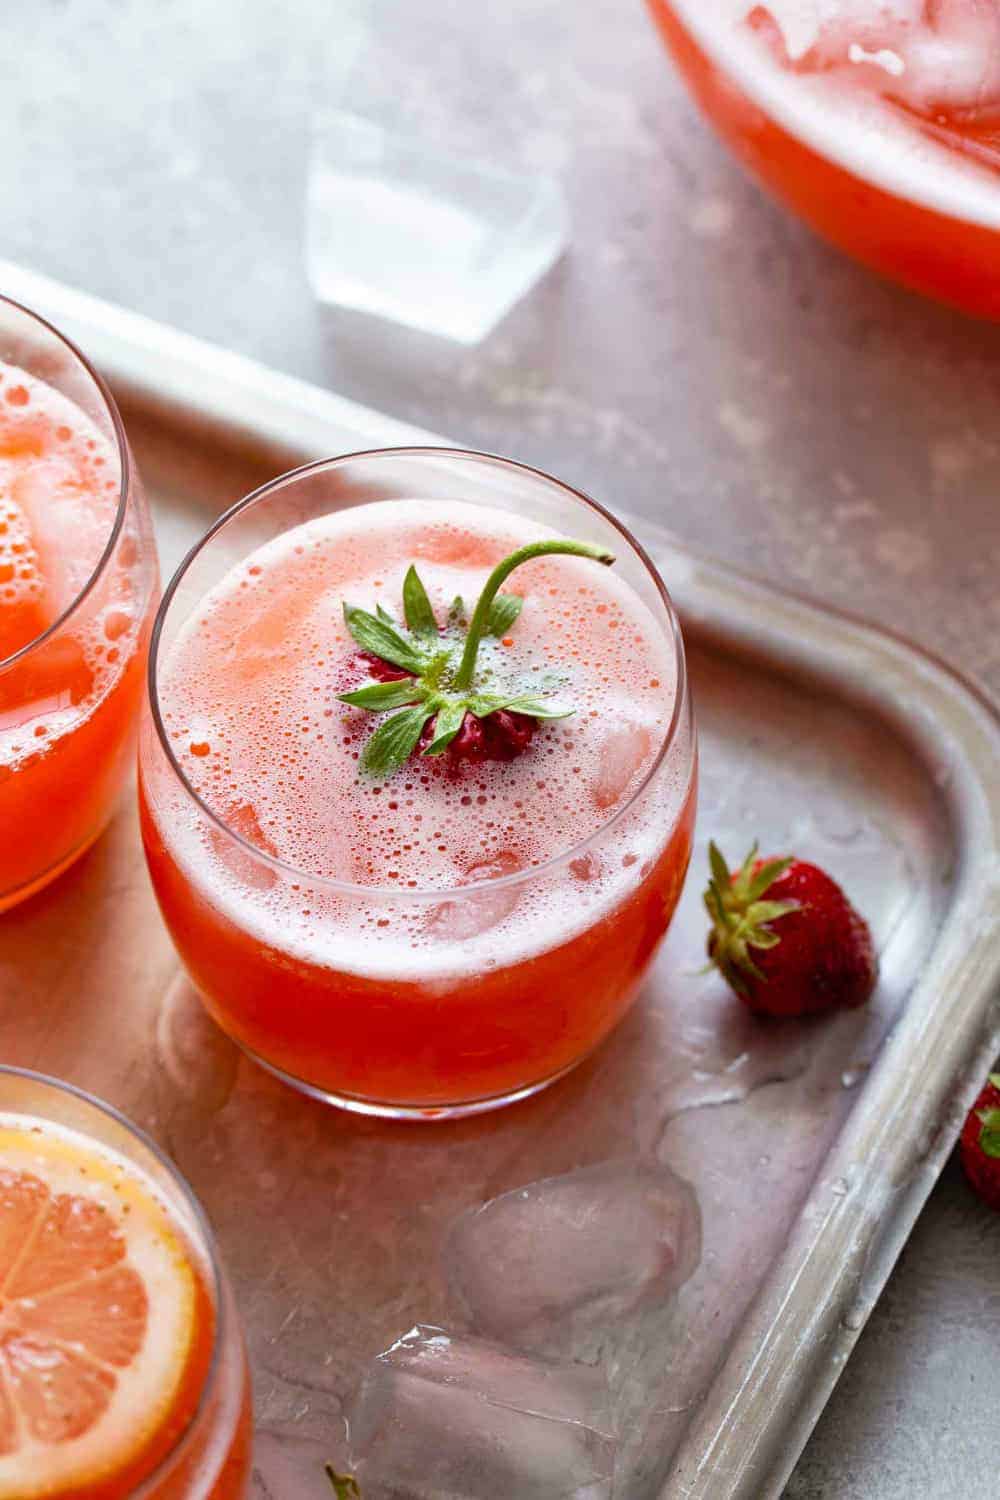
(544, 1262)
(117, 621)
(438, 1417)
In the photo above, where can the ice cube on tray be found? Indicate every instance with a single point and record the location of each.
(429, 237)
(579, 1249)
(444, 1417)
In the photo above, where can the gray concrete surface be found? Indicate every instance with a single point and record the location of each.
(697, 356)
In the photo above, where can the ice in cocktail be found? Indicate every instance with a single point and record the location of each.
(122, 1371)
(77, 579)
(406, 873)
(877, 120)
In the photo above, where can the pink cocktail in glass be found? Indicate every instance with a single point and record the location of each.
(876, 120)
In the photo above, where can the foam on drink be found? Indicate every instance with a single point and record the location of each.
(59, 494)
(249, 691)
(903, 92)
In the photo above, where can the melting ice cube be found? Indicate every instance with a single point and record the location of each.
(443, 1418)
(621, 755)
(469, 911)
(587, 1247)
(432, 238)
(240, 863)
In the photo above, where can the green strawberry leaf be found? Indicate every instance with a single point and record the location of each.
(382, 639)
(719, 868)
(379, 696)
(765, 877)
(417, 606)
(490, 703)
(989, 1136)
(538, 708)
(395, 740)
(447, 724)
(762, 937)
(769, 911)
(503, 612)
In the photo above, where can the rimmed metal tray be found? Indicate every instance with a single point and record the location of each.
(811, 1148)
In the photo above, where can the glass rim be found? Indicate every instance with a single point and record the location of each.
(421, 894)
(125, 484)
(737, 62)
(147, 1486)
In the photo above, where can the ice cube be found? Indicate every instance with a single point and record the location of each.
(468, 913)
(240, 863)
(439, 1417)
(431, 238)
(621, 755)
(574, 1251)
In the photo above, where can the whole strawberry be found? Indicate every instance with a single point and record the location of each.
(786, 937)
(979, 1146)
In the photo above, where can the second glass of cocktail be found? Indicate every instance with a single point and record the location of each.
(417, 784)
(78, 579)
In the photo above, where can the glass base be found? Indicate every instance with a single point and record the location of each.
(429, 1112)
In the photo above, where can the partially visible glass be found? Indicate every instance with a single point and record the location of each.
(433, 197)
(878, 124)
(423, 1011)
(207, 1457)
(78, 585)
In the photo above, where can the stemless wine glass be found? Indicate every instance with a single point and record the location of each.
(399, 997)
(199, 1447)
(78, 579)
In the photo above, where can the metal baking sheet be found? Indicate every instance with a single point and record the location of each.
(812, 1148)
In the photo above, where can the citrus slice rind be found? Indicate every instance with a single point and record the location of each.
(98, 1314)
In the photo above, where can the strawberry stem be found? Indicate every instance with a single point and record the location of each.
(477, 626)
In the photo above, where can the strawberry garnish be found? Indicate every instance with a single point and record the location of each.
(979, 1147)
(786, 937)
(502, 735)
(427, 677)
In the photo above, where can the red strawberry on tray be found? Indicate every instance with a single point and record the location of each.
(786, 937)
(979, 1147)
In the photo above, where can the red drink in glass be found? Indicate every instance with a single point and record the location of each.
(77, 585)
(122, 1369)
(876, 120)
(458, 934)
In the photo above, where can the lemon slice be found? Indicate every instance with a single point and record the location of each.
(98, 1315)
